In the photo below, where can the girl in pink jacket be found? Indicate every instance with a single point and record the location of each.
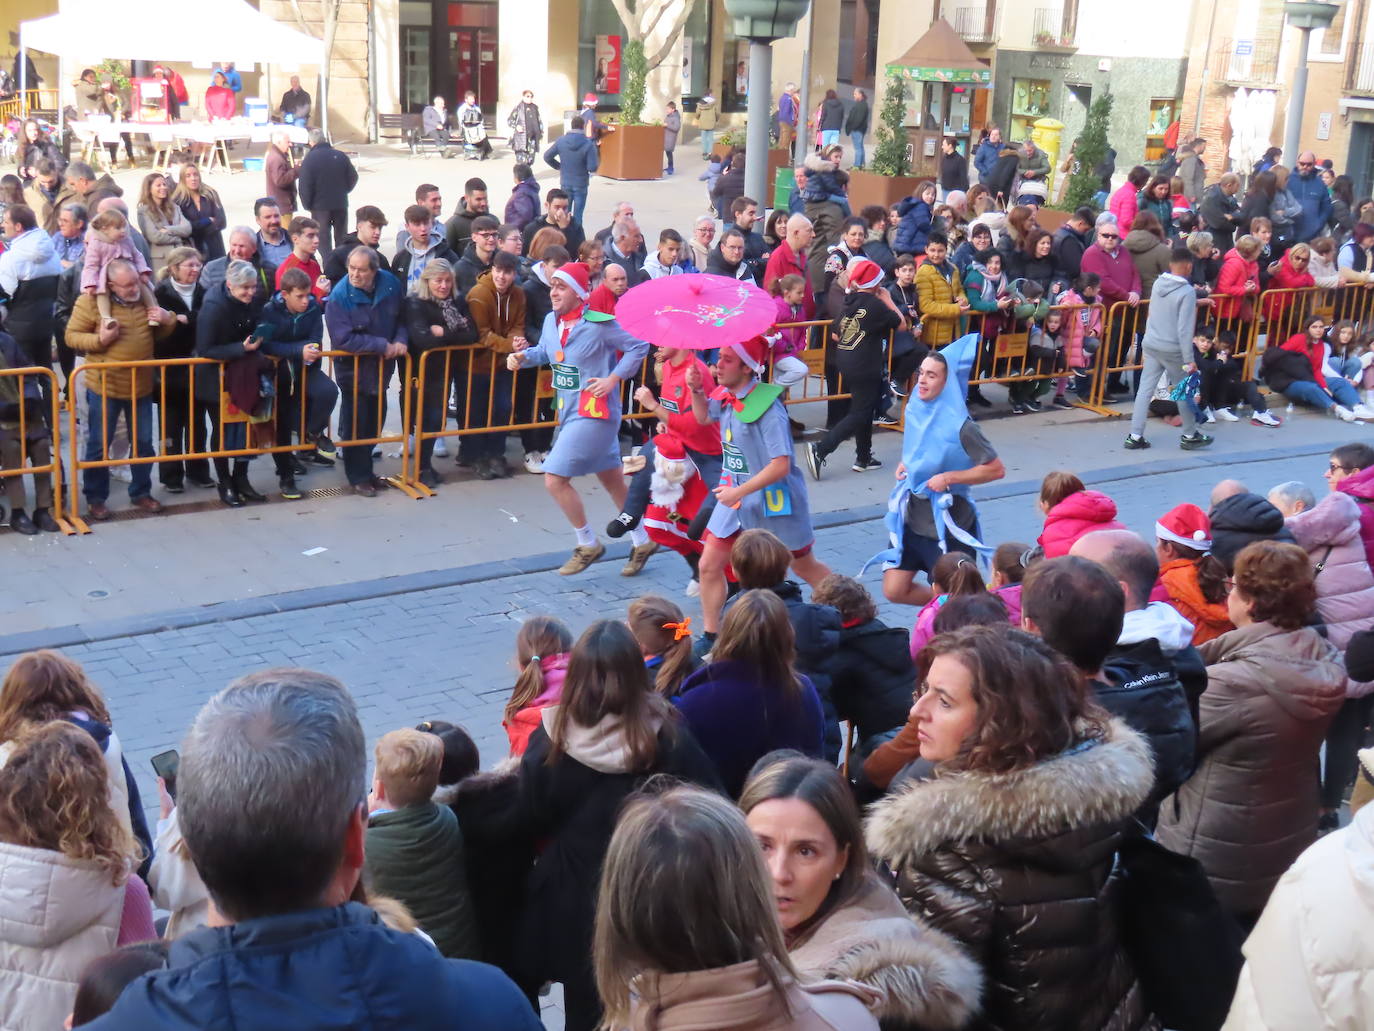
(108, 239)
(541, 653)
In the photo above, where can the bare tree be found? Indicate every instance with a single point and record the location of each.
(642, 19)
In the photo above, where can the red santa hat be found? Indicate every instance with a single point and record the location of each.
(589, 99)
(753, 352)
(578, 276)
(670, 447)
(602, 300)
(864, 274)
(1186, 525)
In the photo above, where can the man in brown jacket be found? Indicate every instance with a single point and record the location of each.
(112, 393)
(498, 309)
(281, 174)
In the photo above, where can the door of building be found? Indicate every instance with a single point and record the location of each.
(473, 55)
(415, 84)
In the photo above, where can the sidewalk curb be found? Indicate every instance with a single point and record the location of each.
(481, 572)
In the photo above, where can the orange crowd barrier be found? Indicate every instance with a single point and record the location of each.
(29, 444)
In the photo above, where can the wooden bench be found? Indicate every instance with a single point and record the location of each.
(400, 126)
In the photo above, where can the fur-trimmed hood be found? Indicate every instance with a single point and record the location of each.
(816, 163)
(927, 978)
(1092, 783)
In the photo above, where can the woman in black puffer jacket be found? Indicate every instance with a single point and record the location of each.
(1011, 848)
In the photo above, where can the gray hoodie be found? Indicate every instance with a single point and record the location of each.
(1172, 320)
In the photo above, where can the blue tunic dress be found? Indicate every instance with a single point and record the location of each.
(746, 448)
(588, 426)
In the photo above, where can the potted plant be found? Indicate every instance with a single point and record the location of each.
(1086, 183)
(634, 150)
(887, 179)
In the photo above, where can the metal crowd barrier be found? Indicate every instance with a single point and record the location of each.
(95, 377)
(507, 402)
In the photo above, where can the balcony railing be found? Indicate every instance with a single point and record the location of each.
(1050, 29)
(977, 24)
(1245, 62)
(1360, 74)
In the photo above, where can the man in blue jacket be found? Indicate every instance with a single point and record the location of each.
(1308, 190)
(272, 806)
(575, 156)
(363, 314)
(985, 157)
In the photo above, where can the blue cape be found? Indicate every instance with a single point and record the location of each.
(930, 445)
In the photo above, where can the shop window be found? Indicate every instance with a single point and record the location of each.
(735, 96)
(1030, 101)
(1162, 114)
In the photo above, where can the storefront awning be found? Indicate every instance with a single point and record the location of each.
(941, 56)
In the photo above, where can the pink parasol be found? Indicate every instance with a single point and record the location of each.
(695, 311)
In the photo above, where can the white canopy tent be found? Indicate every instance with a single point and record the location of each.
(220, 30)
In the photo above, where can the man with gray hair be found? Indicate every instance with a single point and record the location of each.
(789, 258)
(272, 808)
(281, 172)
(324, 180)
(243, 246)
(1292, 497)
(626, 248)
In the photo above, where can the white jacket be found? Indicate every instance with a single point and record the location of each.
(1309, 959)
(56, 915)
(174, 880)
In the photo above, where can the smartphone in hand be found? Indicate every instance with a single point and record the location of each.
(165, 765)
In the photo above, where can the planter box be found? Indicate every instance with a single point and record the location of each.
(632, 152)
(870, 188)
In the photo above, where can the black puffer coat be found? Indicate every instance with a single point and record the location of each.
(1243, 519)
(873, 677)
(1019, 867)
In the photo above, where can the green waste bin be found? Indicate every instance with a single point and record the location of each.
(782, 186)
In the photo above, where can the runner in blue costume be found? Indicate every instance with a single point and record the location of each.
(944, 453)
(590, 356)
(761, 486)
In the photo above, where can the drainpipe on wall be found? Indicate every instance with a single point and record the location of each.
(372, 72)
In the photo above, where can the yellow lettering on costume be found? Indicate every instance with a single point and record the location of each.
(773, 499)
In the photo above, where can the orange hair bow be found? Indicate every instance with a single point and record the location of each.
(680, 630)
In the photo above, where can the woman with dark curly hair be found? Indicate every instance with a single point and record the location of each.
(1011, 847)
(1273, 685)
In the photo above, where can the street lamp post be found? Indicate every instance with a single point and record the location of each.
(1303, 15)
(761, 22)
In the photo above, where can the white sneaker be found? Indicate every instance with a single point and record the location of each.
(1226, 414)
(1343, 413)
(1207, 416)
(534, 462)
(1363, 411)
(440, 448)
(693, 589)
(1264, 419)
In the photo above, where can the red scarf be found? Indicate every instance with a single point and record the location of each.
(565, 327)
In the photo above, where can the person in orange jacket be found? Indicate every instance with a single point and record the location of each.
(1193, 577)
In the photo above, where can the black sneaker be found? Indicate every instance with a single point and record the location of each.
(1060, 401)
(814, 460)
(1017, 408)
(298, 467)
(621, 525)
(325, 446)
(320, 458)
(862, 465)
(174, 488)
(1034, 406)
(1134, 443)
(289, 490)
(1195, 443)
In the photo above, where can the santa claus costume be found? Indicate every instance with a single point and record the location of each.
(677, 493)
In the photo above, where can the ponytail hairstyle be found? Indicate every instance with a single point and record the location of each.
(1009, 560)
(656, 623)
(539, 637)
(782, 284)
(1211, 574)
(957, 574)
